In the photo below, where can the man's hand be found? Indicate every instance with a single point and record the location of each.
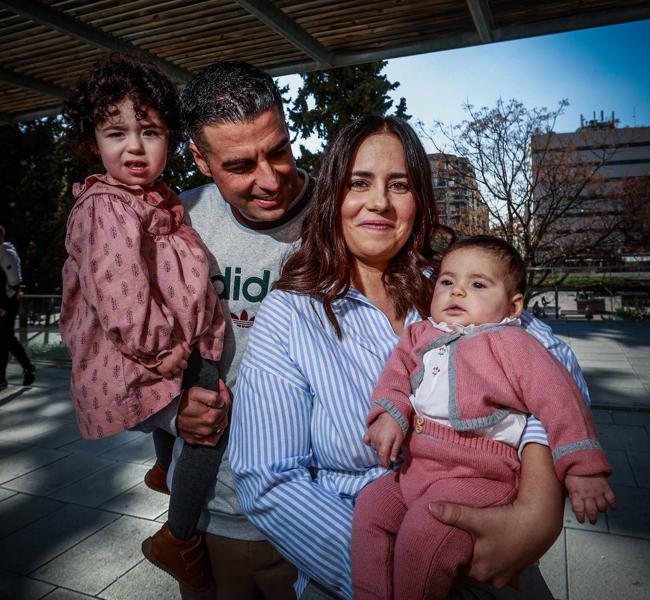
(175, 362)
(203, 415)
(385, 436)
(509, 538)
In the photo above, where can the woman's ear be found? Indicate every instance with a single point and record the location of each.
(516, 306)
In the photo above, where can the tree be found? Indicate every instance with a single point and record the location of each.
(636, 214)
(539, 190)
(328, 100)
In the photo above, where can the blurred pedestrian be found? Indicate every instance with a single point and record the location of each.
(10, 292)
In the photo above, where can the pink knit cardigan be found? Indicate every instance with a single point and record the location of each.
(135, 280)
(490, 372)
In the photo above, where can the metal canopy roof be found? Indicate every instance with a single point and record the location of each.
(45, 46)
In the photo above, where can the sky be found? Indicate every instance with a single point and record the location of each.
(604, 68)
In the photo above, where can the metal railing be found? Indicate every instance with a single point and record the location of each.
(38, 328)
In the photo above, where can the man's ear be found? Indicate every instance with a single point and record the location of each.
(199, 160)
(516, 306)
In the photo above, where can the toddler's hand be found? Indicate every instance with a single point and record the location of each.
(385, 436)
(175, 362)
(589, 495)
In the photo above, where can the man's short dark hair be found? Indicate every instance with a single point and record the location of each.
(513, 264)
(227, 92)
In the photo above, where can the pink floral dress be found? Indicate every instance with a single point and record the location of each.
(135, 281)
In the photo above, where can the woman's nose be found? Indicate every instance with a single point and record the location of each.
(377, 198)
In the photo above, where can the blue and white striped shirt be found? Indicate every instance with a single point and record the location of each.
(296, 446)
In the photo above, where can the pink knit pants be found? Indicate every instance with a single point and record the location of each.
(399, 550)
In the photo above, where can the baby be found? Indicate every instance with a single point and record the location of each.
(456, 392)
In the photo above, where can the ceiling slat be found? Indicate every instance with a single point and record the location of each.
(55, 19)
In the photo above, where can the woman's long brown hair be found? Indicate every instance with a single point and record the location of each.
(323, 266)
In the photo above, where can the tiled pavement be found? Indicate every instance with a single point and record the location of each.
(73, 513)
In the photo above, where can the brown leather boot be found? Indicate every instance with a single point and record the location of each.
(156, 479)
(185, 560)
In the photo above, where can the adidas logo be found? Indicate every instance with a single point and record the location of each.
(242, 320)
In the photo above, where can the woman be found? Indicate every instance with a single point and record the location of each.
(320, 341)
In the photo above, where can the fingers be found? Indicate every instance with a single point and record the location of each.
(394, 451)
(366, 439)
(610, 498)
(383, 451)
(455, 515)
(224, 398)
(578, 506)
(592, 510)
(205, 397)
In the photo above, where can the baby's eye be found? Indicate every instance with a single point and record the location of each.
(478, 284)
(445, 281)
(115, 134)
(150, 133)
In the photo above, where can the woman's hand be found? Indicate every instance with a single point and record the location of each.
(203, 415)
(385, 436)
(509, 538)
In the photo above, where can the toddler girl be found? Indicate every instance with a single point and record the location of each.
(456, 391)
(138, 304)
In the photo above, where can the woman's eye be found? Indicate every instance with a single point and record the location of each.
(357, 184)
(399, 186)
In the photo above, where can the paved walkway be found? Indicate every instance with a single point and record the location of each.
(73, 513)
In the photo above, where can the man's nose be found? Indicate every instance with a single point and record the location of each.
(267, 177)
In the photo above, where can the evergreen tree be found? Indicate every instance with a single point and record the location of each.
(329, 100)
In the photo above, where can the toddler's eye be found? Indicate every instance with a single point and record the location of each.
(445, 282)
(478, 284)
(150, 133)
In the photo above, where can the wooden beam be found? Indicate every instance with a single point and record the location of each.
(31, 83)
(482, 17)
(54, 19)
(464, 40)
(8, 118)
(274, 18)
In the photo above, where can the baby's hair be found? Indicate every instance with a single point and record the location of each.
(514, 266)
(113, 78)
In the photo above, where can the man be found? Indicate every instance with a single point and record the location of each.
(248, 218)
(10, 281)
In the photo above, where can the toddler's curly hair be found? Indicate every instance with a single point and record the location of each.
(113, 78)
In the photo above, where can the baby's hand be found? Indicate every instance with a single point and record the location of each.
(385, 436)
(590, 495)
(175, 362)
